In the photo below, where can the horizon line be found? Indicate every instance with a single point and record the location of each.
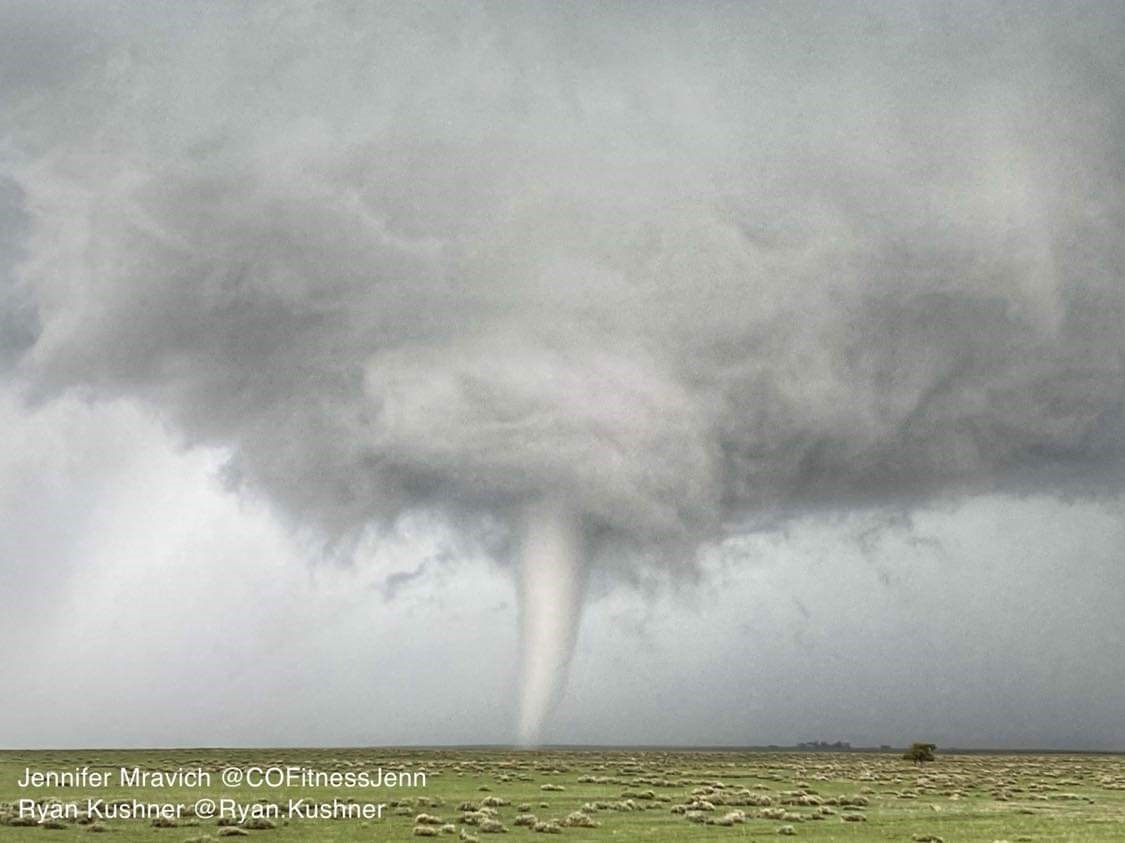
(580, 747)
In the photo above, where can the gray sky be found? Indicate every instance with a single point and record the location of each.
(812, 316)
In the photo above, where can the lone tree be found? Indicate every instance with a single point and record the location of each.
(920, 753)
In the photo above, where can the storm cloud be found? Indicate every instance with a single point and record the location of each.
(675, 268)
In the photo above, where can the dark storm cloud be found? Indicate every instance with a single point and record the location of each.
(18, 321)
(672, 264)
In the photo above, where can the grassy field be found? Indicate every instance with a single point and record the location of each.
(581, 796)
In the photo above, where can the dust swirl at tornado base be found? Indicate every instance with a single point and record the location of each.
(624, 277)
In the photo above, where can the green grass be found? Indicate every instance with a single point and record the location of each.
(960, 798)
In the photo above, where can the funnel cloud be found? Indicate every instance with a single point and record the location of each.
(552, 580)
(628, 276)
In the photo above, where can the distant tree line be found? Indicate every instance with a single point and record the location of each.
(824, 745)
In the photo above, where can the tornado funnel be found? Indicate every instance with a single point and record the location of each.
(552, 579)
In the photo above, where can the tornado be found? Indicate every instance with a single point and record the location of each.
(552, 580)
